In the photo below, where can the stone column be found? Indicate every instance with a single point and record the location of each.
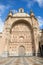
(36, 42)
(7, 39)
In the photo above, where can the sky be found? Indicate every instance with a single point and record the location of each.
(35, 5)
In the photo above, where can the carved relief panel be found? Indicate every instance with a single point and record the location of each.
(21, 33)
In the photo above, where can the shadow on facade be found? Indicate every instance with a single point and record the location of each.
(41, 50)
(41, 45)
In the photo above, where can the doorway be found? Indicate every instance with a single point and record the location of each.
(21, 51)
(41, 50)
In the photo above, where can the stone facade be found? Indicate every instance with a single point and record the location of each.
(20, 36)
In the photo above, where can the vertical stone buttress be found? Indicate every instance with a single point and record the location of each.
(8, 27)
(35, 33)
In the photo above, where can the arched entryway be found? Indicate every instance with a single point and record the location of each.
(21, 50)
(41, 49)
(22, 34)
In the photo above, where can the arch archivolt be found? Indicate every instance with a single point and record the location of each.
(13, 20)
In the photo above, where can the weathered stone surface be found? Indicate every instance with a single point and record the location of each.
(20, 30)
